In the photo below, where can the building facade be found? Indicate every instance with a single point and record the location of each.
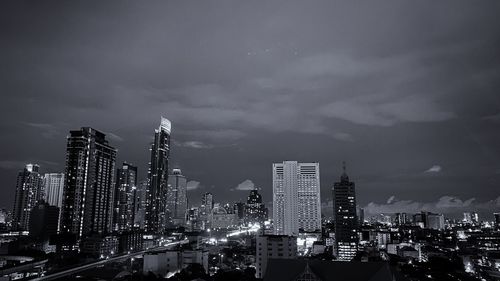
(156, 196)
(255, 210)
(273, 247)
(44, 221)
(177, 198)
(296, 198)
(125, 197)
(28, 189)
(346, 221)
(88, 190)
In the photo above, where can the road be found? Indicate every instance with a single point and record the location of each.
(81, 268)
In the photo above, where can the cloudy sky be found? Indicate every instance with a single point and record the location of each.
(406, 92)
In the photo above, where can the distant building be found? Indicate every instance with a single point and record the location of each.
(44, 221)
(435, 221)
(239, 210)
(140, 204)
(467, 217)
(125, 197)
(156, 198)
(220, 218)
(88, 191)
(346, 221)
(28, 191)
(497, 219)
(400, 219)
(130, 241)
(296, 197)
(54, 189)
(169, 261)
(273, 247)
(207, 204)
(177, 198)
(255, 210)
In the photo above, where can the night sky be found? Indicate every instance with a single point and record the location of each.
(406, 92)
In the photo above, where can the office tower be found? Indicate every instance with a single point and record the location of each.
(475, 218)
(467, 217)
(296, 197)
(88, 189)
(434, 221)
(207, 202)
(346, 221)
(273, 247)
(28, 187)
(177, 198)
(156, 198)
(125, 193)
(255, 210)
(44, 221)
(54, 188)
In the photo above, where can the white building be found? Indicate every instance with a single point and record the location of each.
(170, 261)
(296, 197)
(54, 186)
(273, 246)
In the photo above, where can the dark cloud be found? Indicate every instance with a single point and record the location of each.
(392, 87)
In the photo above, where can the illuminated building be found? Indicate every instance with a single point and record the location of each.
(255, 210)
(125, 197)
(28, 189)
(296, 197)
(156, 198)
(177, 198)
(88, 191)
(346, 221)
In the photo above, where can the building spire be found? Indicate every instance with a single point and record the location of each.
(344, 177)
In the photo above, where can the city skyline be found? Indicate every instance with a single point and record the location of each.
(414, 113)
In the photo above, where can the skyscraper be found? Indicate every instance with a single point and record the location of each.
(296, 197)
(346, 221)
(125, 193)
(28, 189)
(54, 188)
(156, 198)
(255, 210)
(88, 189)
(207, 204)
(177, 198)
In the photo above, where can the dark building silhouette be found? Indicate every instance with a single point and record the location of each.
(346, 221)
(125, 197)
(88, 190)
(255, 210)
(44, 221)
(156, 198)
(28, 191)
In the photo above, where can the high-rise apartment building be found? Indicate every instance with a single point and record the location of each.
(296, 197)
(177, 198)
(125, 193)
(88, 190)
(156, 198)
(346, 221)
(28, 188)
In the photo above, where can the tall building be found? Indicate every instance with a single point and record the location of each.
(296, 197)
(28, 188)
(177, 198)
(435, 221)
(125, 193)
(346, 221)
(273, 246)
(156, 198)
(54, 188)
(140, 204)
(255, 210)
(497, 219)
(88, 190)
